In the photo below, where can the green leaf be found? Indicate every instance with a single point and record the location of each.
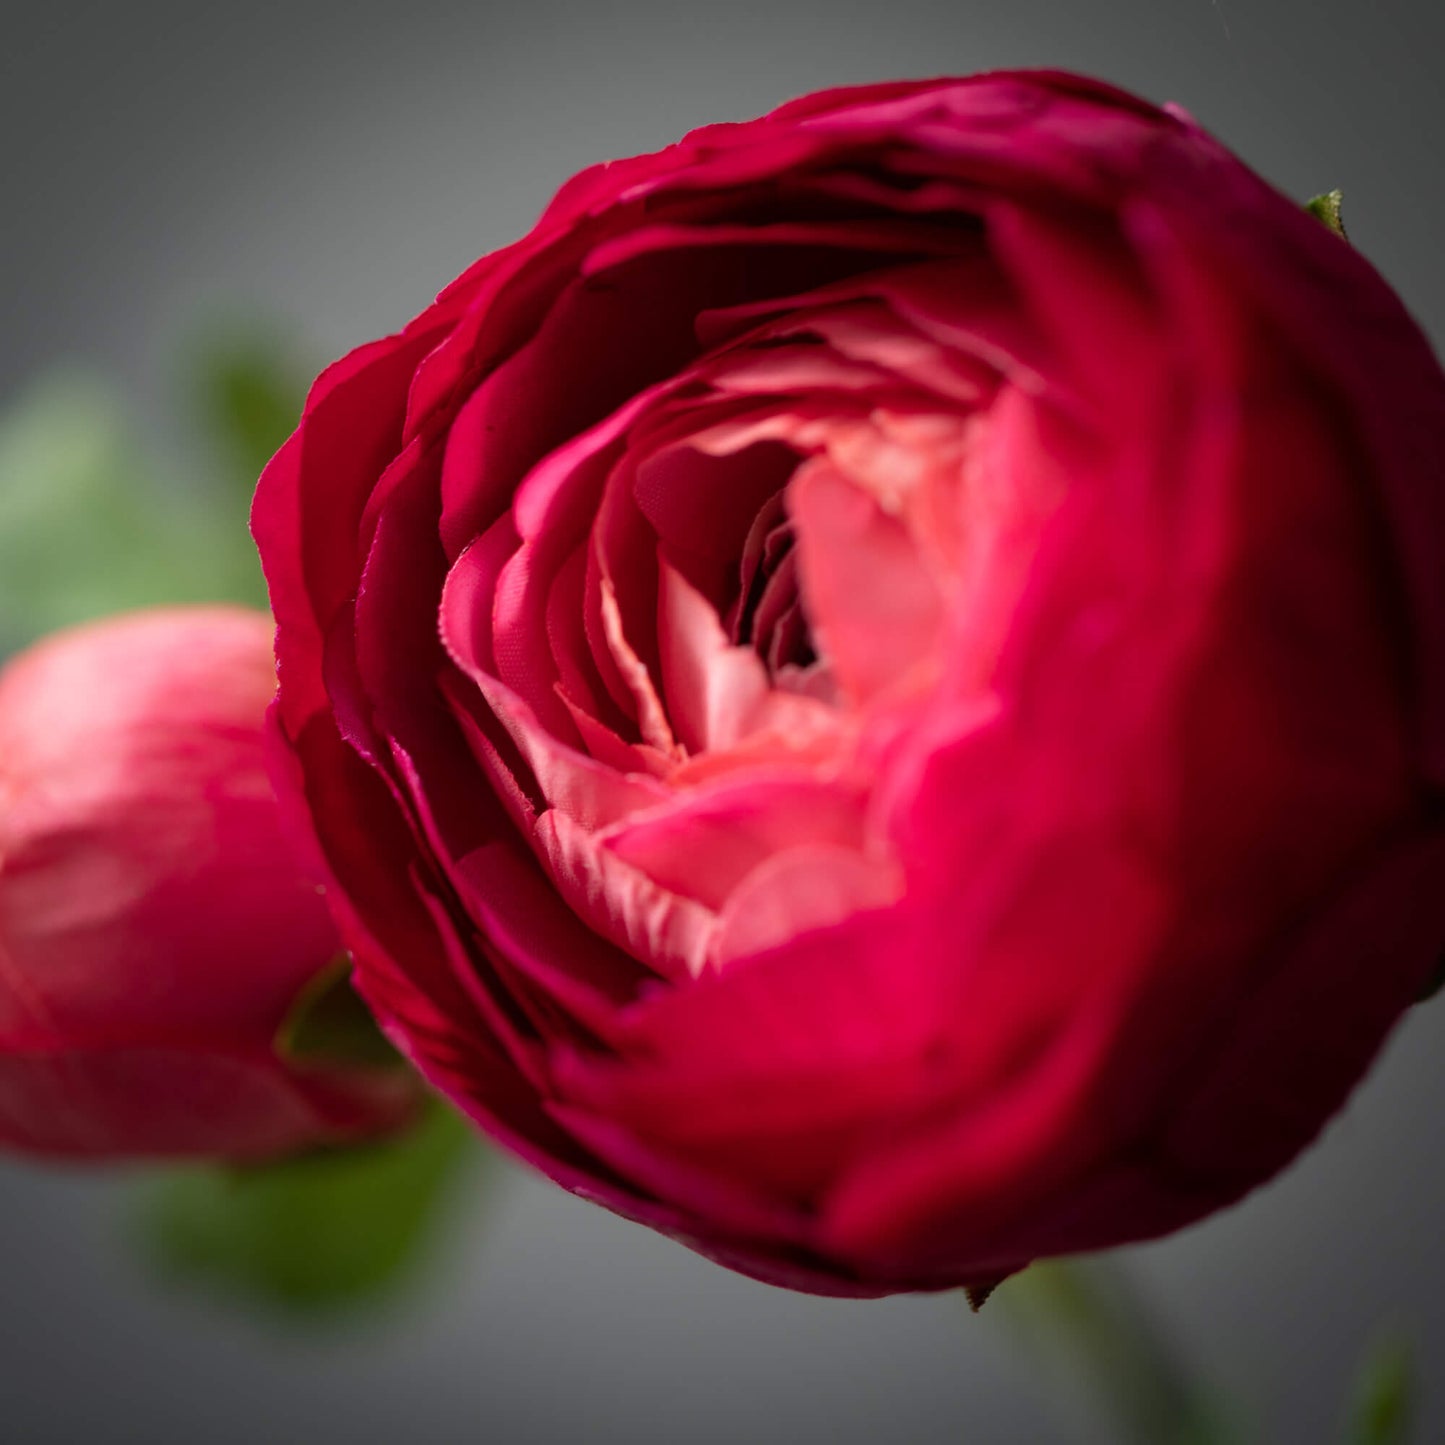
(247, 391)
(1384, 1400)
(87, 524)
(1326, 208)
(329, 1023)
(317, 1235)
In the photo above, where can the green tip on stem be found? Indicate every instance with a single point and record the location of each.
(1326, 208)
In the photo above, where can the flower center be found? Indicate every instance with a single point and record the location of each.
(770, 615)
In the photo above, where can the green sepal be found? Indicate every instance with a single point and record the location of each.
(329, 1024)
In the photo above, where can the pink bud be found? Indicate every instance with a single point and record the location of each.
(155, 929)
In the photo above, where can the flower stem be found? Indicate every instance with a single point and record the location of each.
(1087, 1319)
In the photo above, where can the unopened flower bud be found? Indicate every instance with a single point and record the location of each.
(155, 929)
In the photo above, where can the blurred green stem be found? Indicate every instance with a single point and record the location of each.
(1087, 1319)
(1383, 1408)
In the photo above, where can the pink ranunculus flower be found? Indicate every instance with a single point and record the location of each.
(155, 932)
(873, 691)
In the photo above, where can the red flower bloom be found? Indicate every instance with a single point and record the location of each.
(873, 692)
(154, 930)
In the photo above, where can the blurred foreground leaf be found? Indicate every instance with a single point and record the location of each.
(1383, 1407)
(247, 390)
(88, 527)
(315, 1235)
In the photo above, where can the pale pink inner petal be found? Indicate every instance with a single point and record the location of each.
(704, 844)
(671, 933)
(614, 751)
(877, 615)
(714, 689)
(652, 716)
(800, 890)
(570, 779)
(871, 331)
(699, 608)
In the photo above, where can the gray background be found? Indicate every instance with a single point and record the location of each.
(331, 165)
